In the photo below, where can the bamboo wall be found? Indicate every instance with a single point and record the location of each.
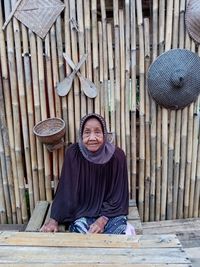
(162, 146)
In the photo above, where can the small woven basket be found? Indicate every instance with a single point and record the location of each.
(50, 131)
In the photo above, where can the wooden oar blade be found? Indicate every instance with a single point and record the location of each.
(88, 87)
(63, 87)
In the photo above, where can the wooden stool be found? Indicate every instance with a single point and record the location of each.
(42, 211)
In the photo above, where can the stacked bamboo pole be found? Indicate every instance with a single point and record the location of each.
(37, 112)
(95, 52)
(6, 167)
(122, 78)
(117, 67)
(63, 101)
(133, 105)
(74, 49)
(141, 109)
(101, 66)
(149, 187)
(81, 42)
(29, 101)
(111, 74)
(5, 205)
(127, 87)
(155, 196)
(14, 130)
(87, 34)
(105, 62)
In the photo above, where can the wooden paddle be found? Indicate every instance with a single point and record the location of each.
(64, 86)
(87, 86)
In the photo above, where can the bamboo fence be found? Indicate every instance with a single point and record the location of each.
(121, 41)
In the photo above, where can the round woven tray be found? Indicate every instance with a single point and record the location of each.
(50, 131)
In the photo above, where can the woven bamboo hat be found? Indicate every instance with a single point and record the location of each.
(192, 19)
(174, 78)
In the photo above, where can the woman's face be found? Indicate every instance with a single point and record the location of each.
(92, 135)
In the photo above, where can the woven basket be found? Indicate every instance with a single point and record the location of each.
(50, 131)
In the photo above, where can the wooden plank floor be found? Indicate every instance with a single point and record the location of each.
(69, 249)
(187, 231)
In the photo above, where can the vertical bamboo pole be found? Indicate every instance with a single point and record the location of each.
(81, 45)
(194, 163)
(105, 62)
(63, 104)
(70, 101)
(171, 150)
(37, 112)
(165, 181)
(24, 121)
(170, 165)
(162, 25)
(3, 218)
(178, 118)
(184, 121)
(49, 80)
(5, 196)
(176, 40)
(154, 203)
(75, 89)
(57, 163)
(29, 102)
(12, 199)
(188, 160)
(133, 101)
(176, 163)
(20, 192)
(182, 164)
(111, 74)
(88, 47)
(122, 77)
(149, 185)
(95, 52)
(43, 108)
(197, 183)
(196, 205)
(159, 170)
(117, 67)
(58, 156)
(141, 111)
(127, 86)
(51, 102)
(190, 150)
(101, 67)
(157, 124)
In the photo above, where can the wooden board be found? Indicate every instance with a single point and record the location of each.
(41, 214)
(187, 230)
(38, 216)
(69, 249)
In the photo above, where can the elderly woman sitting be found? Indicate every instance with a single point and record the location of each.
(92, 194)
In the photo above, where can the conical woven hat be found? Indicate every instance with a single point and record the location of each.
(192, 19)
(174, 78)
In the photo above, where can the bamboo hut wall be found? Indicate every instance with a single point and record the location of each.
(121, 38)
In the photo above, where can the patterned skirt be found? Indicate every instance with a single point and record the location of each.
(115, 225)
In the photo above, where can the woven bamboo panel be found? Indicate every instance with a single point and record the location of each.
(39, 15)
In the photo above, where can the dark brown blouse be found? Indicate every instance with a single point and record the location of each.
(91, 190)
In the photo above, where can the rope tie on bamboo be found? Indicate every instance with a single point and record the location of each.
(75, 25)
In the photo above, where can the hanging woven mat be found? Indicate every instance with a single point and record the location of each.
(37, 15)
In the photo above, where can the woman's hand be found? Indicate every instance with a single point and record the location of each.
(98, 226)
(50, 226)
